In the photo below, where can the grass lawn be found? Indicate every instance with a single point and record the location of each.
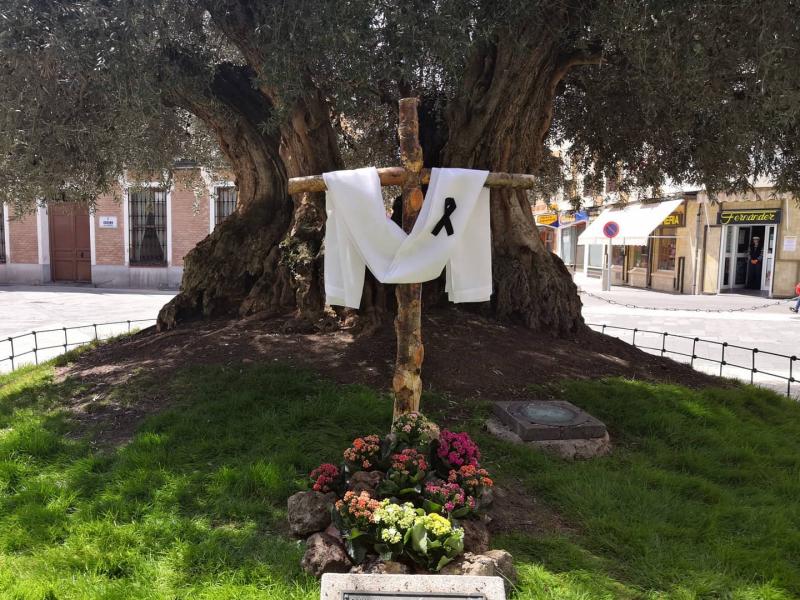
(701, 498)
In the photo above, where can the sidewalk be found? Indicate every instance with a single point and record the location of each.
(739, 319)
(26, 308)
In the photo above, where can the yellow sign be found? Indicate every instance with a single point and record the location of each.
(674, 221)
(546, 219)
(750, 217)
(677, 218)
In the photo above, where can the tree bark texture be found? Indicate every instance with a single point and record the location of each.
(239, 267)
(407, 382)
(500, 122)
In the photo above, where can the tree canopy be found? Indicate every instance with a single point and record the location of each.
(699, 91)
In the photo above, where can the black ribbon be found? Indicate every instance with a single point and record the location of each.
(449, 209)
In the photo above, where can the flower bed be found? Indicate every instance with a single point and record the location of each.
(404, 497)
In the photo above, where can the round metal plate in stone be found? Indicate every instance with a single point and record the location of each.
(548, 420)
(548, 414)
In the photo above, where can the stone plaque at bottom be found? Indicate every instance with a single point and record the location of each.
(409, 596)
(411, 587)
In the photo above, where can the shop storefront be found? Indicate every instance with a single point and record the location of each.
(752, 244)
(559, 232)
(547, 223)
(734, 243)
(748, 248)
(652, 247)
(573, 224)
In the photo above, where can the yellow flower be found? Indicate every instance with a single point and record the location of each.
(436, 524)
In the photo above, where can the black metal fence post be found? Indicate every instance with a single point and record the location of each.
(664, 342)
(11, 341)
(35, 348)
(66, 340)
(753, 369)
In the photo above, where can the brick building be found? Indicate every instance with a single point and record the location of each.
(136, 237)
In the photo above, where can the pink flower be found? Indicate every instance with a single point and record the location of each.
(458, 449)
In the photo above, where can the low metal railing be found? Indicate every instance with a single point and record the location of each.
(689, 348)
(727, 356)
(45, 344)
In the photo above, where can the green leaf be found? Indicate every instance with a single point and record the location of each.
(419, 538)
(432, 507)
(384, 551)
(454, 545)
(461, 512)
(356, 551)
(442, 562)
(387, 487)
(406, 536)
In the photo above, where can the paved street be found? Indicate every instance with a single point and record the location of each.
(770, 327)
(27, 308)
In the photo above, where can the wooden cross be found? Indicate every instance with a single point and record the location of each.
(407, 381)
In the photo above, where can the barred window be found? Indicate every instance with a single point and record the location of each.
(147, 214)
(2, 234)
(224, 203)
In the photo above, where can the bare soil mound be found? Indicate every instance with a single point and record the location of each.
(465, 356)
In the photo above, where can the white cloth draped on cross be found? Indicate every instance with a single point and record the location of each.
(451, 232)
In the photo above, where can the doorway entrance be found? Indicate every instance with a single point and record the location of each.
(70, 246)
(742, 245)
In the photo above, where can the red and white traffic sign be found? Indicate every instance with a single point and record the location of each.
(611, 229)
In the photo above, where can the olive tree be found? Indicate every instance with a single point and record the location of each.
(695, 91)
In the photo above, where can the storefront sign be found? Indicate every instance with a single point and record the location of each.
(547, 219)
(750, 217)
(108, 222)
(570, 217)
(677, 218)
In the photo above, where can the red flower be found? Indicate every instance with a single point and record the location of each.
(323, 477)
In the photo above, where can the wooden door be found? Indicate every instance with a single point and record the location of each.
(70, 247)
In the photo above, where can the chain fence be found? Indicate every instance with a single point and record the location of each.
(688, 309)
(44, 344)
(719, 358)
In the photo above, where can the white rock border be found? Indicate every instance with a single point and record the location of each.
(334, 585)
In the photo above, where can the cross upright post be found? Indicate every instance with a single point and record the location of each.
(407, 380)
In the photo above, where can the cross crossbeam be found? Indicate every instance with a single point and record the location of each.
(397, 175)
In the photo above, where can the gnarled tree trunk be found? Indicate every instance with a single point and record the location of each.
(268, 257)
(239, 267)
(499, 122)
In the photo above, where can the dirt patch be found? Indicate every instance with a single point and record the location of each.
(516, 511)
(465, 356)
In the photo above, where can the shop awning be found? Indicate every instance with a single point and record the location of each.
(636, 223)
